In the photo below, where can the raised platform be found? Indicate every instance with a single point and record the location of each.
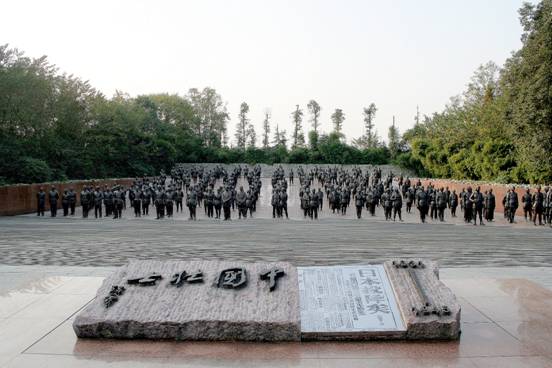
(506, 322)
(211, 300)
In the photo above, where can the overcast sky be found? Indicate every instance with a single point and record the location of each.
(274, 54)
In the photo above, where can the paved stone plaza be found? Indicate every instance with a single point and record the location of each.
(501, 273)
(333, 239)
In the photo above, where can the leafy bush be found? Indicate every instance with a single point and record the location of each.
(33, 170)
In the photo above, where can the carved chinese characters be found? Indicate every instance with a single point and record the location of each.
(347, 299)
(230, 278)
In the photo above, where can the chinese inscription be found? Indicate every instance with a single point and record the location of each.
(113, 296)
(145, 281)
(347, 299)
(232, 278)
(272, 276)
(180, 278)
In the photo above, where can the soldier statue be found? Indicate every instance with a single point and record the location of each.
(209, 202)
(313, 205)
(72, 200)
(108, 201)
(283, 202)
(359, 203)
(169, 202)
(538, 206)
(84, 199)
(146, 200)
(53, 197)
(478, 203)
(97, 197)
(40, 202)
(65, 202)
(387, 204)
(136, 201)
(513, 204)
(441, 201)
(217, 202)
(179, 196)
(396, 199)
(453, 203)
(241, 198)
(226, 203)
(422, 203)
(490, 205)
(468, 205)
(527, 204)
(275, 201)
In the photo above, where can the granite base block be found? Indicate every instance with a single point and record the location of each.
(195, 311)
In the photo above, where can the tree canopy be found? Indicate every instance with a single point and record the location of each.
(55, 126)
(500, 128)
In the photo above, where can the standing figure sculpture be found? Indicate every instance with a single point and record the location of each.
(40, 202)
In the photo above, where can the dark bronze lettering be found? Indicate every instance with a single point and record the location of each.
(114, 294)
(232, 278)
(272, 277)
(145, 281)
(179, 279)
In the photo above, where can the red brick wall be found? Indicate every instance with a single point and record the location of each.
(499, 190)
(20, 199)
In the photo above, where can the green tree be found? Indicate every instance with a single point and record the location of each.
(298, 135)
(369, 116)
(313, 139)
(370, 137)
(314, 109)
(241, 127)
(212, 116)
(266, 130)
(527, 81)
(280, 138)
(251, 136)
(394, 138)
(338, 117)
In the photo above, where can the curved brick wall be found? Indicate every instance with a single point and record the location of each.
(498, 189)
(21, 198)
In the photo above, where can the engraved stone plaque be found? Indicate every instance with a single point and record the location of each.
(195, 300)
(348, 301)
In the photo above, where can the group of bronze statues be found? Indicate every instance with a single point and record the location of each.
(114, 200)
(165, 193)
(217, 191)
(367, 189)
(341, 188)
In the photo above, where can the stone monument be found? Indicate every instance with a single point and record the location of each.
(195, 300)
(220, 300)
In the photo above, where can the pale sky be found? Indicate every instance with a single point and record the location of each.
(274, 55)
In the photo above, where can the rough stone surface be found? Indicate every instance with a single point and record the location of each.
(195, 311)
(407, 295)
